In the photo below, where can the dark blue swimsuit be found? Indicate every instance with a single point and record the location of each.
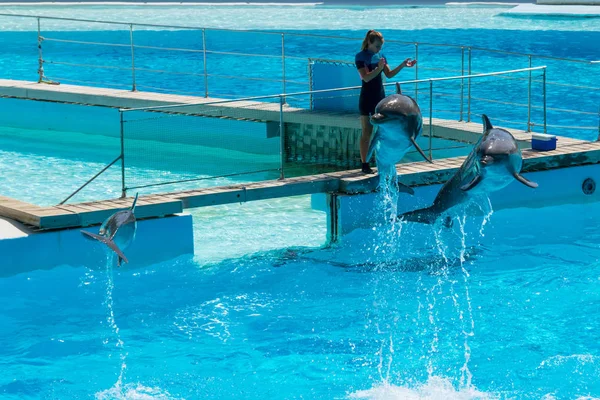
(372, 92)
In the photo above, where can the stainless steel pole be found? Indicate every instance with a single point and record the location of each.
(417, 72)
(462, 83)
(281, 138)
(40, 58)
(204, 57)
(430, 117)
(544, 90)
(133, 88)
(283, 63)
(469, 90)
(123, 188)
(529, 100)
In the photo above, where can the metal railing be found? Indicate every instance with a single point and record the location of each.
(200, 72)
(466, 57)
(277, 103)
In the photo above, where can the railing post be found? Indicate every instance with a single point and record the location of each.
(417, 72)
(283, 64)
(133, 87)
(123, 188)
(469, 90)
(40, 58)
(430, 118)
(529, 99)
(281, 138)
(462, 83)
(544, 92)
(598, 138)
(204, 58)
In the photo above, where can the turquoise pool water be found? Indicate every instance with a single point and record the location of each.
(389, 314)
(503, 307)
(33, 160)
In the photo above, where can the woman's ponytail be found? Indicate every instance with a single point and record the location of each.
(370, 37)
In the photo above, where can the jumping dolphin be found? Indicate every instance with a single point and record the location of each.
(494, 162)
(118, 228)
(399, 124)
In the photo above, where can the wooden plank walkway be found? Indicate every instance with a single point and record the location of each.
(467, 132)
(158, 205)
(570, 152)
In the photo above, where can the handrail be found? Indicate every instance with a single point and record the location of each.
(91, 179)
(331, 90)
(298, 35)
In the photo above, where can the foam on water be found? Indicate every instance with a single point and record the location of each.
(436, 388)
(134, 391)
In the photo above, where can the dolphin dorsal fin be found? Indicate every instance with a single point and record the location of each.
(486, 123)
(134, 201)
(398, 88)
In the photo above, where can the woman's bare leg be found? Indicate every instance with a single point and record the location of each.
(365, 138)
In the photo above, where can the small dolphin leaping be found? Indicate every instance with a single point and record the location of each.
(119, 228)
(494, 162)
(399, 123)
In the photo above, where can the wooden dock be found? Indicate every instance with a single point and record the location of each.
(570, 152)
(349, 182)
(459, 131)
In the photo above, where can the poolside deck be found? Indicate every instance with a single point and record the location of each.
(459, 131)
(571, 152)
(163, 204)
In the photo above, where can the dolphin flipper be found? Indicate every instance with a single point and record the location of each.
(525, 181)
(404, 188)
(111, 244)
(471, 184)
(423, 216)
(414, 143)
(372, 146)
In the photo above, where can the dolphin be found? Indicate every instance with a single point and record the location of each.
(119, 228)
(494, 163)
(399, 123)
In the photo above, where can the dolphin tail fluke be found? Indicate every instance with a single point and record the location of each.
(134, 202)
(525, 181)
(111, 244)
(372, 146)
(423, 216)
(414, 143)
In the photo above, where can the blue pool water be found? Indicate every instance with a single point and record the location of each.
(389, 314)
(498, 307)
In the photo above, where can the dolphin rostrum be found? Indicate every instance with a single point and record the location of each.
(399, 124)
(118, 231)
(494, 162)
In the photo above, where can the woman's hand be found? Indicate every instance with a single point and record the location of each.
(381, 63)
(409, 63)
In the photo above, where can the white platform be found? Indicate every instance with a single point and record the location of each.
(574, 11)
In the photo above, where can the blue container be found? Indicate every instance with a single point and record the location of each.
(543, 142)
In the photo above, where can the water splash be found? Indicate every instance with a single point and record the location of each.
(487, 214)
(110, 318)
(436, 388)
(388, 230)
(466, 375)
(134, 392)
